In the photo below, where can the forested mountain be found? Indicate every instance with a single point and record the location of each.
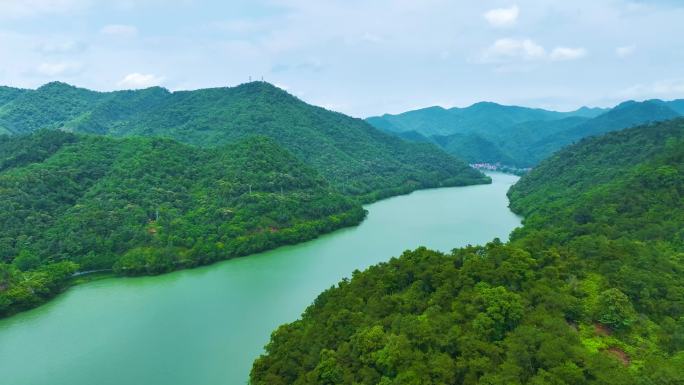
(352, 155)
(9, 93)
(521, 137)
(148, 205)
(414, 136)
(589, 291)
(627, 114)
(527, 146)
(478, 118)
(677, 105)
(473, 148)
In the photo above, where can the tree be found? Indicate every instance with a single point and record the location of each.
(26, 260)
(614, 309)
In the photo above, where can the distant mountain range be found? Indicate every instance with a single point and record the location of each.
(517, 136)
(353, 156)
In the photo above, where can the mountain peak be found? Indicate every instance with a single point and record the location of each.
(56, 85)
(261, 89)
(651, 104)
(486, 104)
(260, 86)
(625, 104)
(481, 106)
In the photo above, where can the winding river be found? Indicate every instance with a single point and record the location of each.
(205, 326)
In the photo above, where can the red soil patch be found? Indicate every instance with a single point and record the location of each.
(602, 330)
(620, 354)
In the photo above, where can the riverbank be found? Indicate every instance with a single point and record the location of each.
(207, 325)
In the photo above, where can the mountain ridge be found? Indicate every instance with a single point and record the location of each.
(522, 136)
(354, 156)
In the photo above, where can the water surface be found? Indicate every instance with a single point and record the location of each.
(205, 326)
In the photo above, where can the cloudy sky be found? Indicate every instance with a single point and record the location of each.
(361, 57)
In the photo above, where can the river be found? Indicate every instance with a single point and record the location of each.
(205, 326)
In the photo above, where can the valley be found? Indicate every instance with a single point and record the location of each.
(154, 326)
(587, 291)
(380, 192)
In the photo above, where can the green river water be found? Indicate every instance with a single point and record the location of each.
(205, 326)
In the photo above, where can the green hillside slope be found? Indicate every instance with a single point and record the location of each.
(589, 291)
(522, 137)
(148, 206)
(478, 118)
(473, 148)
(352, 155)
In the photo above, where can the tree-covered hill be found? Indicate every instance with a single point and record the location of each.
(353, 156)
(473, 148)
(593, 161)
(147, 206)
(589, 291)
(8, 93)
(516, 136)
(478, 118)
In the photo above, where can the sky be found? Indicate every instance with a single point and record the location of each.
(359, 57)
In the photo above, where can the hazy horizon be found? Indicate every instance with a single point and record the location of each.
(383, 113)
(363, 60)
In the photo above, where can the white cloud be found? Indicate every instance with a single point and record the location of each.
(502, 17)
(59, 69)
(138, 80)
(566, 53)
(514, 48)
(62, 47)
(119, 30)
(30, 8)
(672, 88)
(509, 50)
(625, 51)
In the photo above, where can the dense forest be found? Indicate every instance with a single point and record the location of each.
(517, 136)
(354, 157)
(147, 206)
(590, 290)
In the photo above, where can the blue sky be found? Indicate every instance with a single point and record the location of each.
(358, 57)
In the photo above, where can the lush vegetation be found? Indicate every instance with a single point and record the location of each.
(226, 172)
(589, 291)
(474, 148)
(478, 118)
(147, 206)
(353, 156)
(517, 136)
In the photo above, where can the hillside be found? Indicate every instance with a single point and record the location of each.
(518, 136)
(473, 148)
(625, 115)
(148, 206)
(480, 117)
(588, 291)
(592, 161)
(353, 156)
